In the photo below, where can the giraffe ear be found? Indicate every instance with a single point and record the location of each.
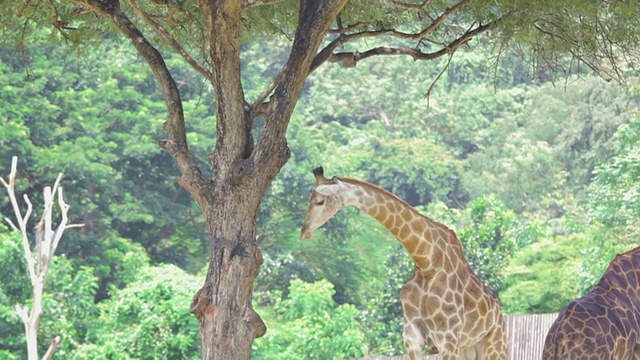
(319, 174)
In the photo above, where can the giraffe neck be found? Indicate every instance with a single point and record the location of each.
(615, 280)
(429, 243)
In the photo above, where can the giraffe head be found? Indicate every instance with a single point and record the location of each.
(325, 202)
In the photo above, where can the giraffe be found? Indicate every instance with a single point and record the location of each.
(604, 323)
(447, 308)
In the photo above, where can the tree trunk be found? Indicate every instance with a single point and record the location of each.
(228, 323)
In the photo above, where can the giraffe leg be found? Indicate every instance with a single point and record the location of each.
(413, 341)
(448, 346)
(455, 354)
(495, 345)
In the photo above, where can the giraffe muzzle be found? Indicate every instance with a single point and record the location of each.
(306, 232)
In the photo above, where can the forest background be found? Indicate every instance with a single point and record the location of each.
(539, 176)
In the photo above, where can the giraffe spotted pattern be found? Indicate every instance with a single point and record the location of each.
(604, 323)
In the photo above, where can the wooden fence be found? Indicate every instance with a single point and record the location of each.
(526, 337)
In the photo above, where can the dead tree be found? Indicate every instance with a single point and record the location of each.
(39, 259)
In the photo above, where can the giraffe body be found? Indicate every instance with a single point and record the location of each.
(446, 306)
(604, 324)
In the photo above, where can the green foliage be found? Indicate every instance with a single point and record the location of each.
(541, 278)
(383, 316)
(119, 264)
(544, 32)
(417, 170)
(488, 238)
(615, 192)
(558, 134)
(310, 325)
(69, 309)
(70, 306)
(547, 32)
(15, 289)
(500, 157)
(149, 319)
(279, 268)
(614, 205)
(97, 118)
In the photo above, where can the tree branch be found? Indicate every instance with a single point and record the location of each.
(345, 29)
(327, 52)
(314, 21)
(21, 220)
(52, 348)
(350, 59)
(246, 4)
(407, 6)
(176, 144)
(170, 39)
(23, 314)
(57, 24)
(23, 50)
(433, 83)
(259, 107)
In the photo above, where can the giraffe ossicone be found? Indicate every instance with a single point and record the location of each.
(446, 306)
(604, 323)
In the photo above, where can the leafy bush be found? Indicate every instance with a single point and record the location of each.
(310, 325)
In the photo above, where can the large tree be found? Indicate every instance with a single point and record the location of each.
(208, 34)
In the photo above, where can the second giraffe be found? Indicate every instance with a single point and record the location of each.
(446, 306)
(604, 324)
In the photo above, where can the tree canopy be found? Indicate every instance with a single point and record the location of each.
(552, 36)
(229, 166)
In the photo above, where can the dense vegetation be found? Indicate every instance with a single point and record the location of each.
(541, 181)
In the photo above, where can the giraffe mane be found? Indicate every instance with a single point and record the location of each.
(395, 197)
(629, 254)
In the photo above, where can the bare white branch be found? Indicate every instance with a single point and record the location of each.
(23, 313)
(46, 244)
(21, 220)
(52, 348)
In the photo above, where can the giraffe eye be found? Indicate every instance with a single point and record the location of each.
(320, 203)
